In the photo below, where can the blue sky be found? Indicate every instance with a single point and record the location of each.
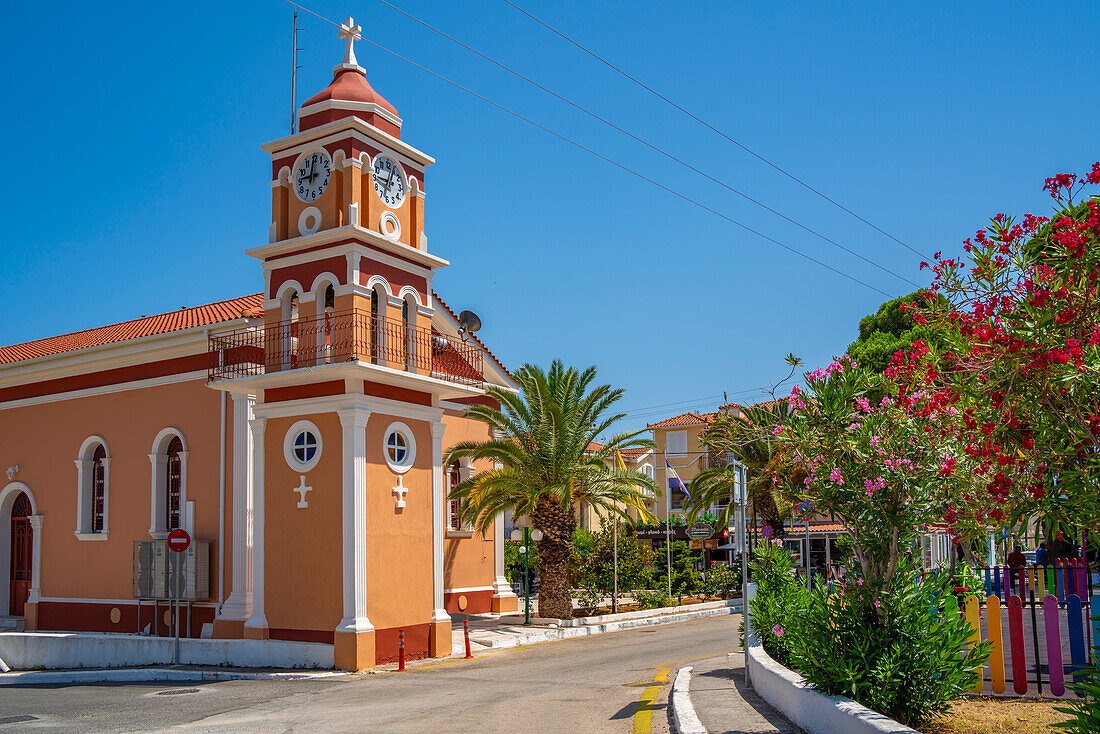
(137, 181)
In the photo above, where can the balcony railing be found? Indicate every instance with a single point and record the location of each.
(349, 336)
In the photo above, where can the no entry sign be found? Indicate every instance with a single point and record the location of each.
(178, 540)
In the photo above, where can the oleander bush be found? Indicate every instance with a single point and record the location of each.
(897, 651)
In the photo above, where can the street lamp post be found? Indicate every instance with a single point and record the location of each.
(528, 535)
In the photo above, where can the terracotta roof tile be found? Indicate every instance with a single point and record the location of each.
(685, 419)
(474, 336)
(185, 318)
(594, 446)
(635, 453)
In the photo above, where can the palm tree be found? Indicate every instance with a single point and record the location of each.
(747, 436)
(540, 438)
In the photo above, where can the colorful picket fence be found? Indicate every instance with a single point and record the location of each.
(1040, 623)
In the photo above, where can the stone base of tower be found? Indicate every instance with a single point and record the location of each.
(229, 629)
(30, 616)
(505, 603)
(353, 651)
(439, 639)
(256, 633)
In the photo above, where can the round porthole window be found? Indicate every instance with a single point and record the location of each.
(399, 447)
(302, 446)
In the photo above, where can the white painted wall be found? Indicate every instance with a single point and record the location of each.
(23, 651)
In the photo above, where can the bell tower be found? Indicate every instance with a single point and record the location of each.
(348, 373)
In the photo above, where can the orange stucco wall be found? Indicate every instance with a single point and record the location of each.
(44, 440)
(399, 541)
(303, 547)
(467, 562)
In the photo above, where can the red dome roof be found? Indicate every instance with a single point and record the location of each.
(349, 85)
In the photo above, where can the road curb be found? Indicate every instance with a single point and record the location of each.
(565, 633)
(140, 675)
(683, 713)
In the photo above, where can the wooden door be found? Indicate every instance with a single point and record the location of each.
(21, 544)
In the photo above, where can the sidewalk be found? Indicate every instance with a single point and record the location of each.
(491, 633)
(723, 703)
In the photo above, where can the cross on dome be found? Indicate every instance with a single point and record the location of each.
(350, 33)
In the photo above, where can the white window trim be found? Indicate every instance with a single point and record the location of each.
(158, 485)
(288, 446)
(410, 447)
(84, 478)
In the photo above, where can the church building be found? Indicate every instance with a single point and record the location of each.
(297, 434)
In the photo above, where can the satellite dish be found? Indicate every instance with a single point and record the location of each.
(468, 323)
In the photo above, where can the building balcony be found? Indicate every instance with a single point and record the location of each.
(344, 337)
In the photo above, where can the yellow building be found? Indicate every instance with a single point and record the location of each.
(639, 459)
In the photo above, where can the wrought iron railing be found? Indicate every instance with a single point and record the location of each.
(349, 336)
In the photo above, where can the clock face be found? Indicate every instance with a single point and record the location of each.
(389, 181)
(311, 178)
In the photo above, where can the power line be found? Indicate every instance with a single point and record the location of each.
(710, 127)
(602, 157)
(644, 142)
(705, 400)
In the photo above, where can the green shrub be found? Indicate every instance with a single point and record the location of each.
(722, 581)
(588, 600)
(894, 651)
(685, 579)
(779, 599)
(652, 599)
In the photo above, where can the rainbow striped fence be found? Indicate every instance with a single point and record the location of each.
(1043, 623)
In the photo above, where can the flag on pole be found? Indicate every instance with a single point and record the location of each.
(619, 463)
(674, 481)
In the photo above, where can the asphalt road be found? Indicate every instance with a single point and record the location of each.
(598, 684)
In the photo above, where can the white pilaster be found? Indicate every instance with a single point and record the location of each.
(158, 495)
(353, 268)
(501, 587)
(257, 618)
(439, 614)
(238, 605)
(353, 422)
(36, 559)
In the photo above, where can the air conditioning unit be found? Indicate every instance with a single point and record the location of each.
(155, 571)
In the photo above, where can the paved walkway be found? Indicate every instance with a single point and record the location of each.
(725, 706)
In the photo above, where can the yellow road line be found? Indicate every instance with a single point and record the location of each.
(643, 716)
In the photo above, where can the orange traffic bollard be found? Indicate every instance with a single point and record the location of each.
(466, 630)
(401, 649)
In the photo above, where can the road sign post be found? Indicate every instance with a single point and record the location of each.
(700, 531)
(178, 541)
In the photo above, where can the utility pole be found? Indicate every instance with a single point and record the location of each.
(294, 75)
(615, 565)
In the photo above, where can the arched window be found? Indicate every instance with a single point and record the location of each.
(406, 328)
(168, 489)
(454, 506)
(174, 485)
(93, 483)
(99, 488)
(375, 326)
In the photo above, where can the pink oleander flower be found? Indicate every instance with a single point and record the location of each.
(864, 404)
(778, 631)
(778, 429)
(877, 603)
(837, 477)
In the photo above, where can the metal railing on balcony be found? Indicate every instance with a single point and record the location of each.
(349, 336)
